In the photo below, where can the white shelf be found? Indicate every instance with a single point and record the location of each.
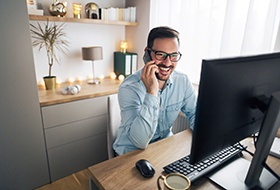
(81, 20)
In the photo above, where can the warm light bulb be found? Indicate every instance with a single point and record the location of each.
(124, 46)
(101, 77)
(71, 80)
(58, 81)
(80, 79)
(113, 75)
(121, 77)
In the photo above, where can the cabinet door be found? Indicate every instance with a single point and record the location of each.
(72, 154)
(72, 132)
(73, 111)
(71, 158)
(75, 135)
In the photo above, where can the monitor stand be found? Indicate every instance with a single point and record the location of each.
(232, 176)
(239, 173)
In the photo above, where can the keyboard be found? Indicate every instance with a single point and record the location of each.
(201, 168)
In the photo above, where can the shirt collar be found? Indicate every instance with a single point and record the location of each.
(169, 81)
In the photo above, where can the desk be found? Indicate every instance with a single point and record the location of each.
(120, 172)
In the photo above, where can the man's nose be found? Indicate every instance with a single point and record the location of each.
(167, 60)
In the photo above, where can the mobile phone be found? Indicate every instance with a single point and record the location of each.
(146, 57)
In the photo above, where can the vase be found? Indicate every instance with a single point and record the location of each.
(58, 9)
(50, 82)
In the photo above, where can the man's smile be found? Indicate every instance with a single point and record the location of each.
(163, 69)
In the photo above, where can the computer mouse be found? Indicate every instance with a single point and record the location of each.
(145, 168)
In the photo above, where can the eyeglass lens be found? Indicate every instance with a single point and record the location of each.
(160, 55)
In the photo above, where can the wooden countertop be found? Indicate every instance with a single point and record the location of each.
(51, 97)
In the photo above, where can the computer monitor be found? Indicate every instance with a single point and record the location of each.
(227, 110)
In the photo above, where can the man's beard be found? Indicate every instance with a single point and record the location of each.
(163, 78)
(160, 78)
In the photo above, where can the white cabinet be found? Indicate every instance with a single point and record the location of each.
(75, 135)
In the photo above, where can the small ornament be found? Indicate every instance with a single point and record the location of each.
(58, 9)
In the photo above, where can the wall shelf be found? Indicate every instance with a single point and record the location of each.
(82, 20)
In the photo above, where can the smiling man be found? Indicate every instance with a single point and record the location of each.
(151, 99)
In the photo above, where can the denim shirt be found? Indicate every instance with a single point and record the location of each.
(146, 118)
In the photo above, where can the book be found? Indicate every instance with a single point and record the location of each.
(118, 14)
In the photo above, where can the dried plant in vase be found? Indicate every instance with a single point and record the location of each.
(53, 38)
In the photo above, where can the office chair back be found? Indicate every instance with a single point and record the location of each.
(114, 121)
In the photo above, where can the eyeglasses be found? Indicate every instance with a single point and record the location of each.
(161, 55)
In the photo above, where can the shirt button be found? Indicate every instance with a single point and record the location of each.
(177, 109)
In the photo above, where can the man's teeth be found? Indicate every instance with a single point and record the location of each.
(164, 68)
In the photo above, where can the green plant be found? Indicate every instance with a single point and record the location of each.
(52, 37)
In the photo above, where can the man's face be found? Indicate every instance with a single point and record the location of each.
(160, 47)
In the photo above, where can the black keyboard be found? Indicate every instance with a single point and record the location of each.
(199, 169)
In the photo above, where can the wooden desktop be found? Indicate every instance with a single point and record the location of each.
(121, 173)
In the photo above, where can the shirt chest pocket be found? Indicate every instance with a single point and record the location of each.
(172, 112)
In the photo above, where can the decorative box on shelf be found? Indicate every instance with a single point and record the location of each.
(32, 8)
(125, 63)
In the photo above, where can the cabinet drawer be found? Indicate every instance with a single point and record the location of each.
(68, 112)
(70, 158)
(75, 131)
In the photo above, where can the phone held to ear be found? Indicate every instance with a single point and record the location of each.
(146, 57)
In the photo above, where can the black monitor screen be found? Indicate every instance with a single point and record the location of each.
(225, 113)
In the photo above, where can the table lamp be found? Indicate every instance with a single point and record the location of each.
(92, 53)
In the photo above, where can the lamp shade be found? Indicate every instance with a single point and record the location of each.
(92, 53)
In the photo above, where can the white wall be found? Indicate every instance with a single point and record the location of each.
(137, 36)
(81, 34)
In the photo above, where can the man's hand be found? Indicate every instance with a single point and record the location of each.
(149, 79)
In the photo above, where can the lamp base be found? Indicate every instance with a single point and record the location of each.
(93, 81)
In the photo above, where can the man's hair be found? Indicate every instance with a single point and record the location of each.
(161, 32)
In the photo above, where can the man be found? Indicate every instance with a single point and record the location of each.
(151, 99)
